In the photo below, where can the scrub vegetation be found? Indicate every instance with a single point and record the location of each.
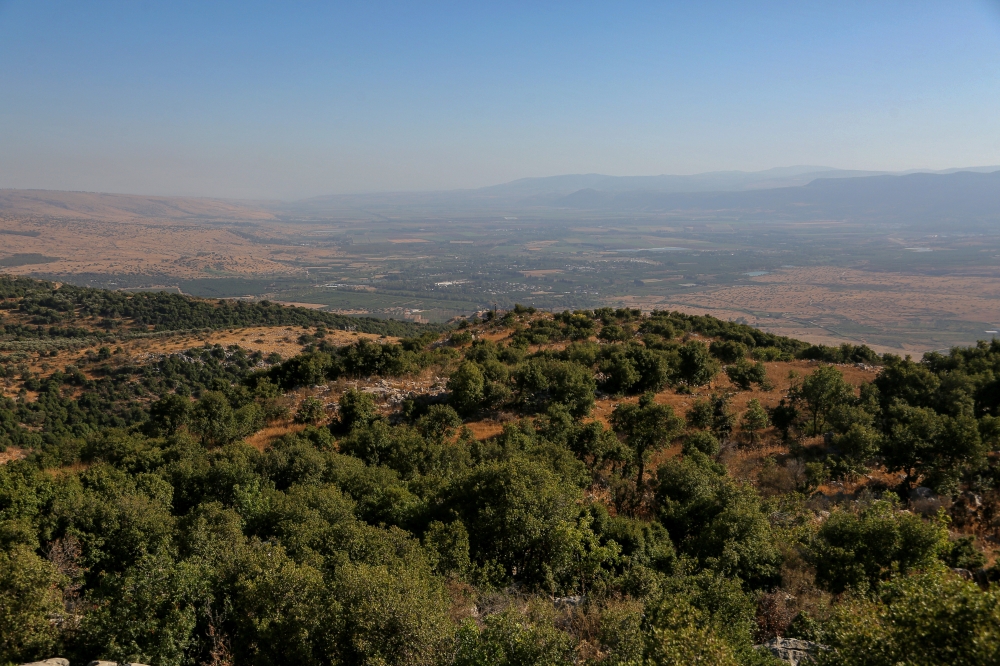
(589, 487)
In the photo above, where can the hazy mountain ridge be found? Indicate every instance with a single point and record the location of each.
(807, 192)
(711, 181)
(963, 196)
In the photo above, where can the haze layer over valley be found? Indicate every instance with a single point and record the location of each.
(905, 262)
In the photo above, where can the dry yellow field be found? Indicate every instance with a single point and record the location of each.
(178, 249)
(124, 207)
(870, 298)
(813, 304)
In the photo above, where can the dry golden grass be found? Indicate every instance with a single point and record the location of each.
(123, 207)
(869, 298)
(485, 429)
(263, 438)
(800, 302)
(174, 248)
(12, 453)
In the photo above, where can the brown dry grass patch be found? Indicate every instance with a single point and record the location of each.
(800, 302)
(263, 438)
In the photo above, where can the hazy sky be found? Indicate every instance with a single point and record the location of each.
(284, 99)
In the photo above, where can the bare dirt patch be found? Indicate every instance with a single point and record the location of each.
(12, 453)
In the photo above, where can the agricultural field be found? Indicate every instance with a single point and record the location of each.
(887, 286)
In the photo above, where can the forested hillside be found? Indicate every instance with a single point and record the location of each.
(50, 311)
(595, 487)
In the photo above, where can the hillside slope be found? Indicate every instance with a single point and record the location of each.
(597, 487)
(124, 207)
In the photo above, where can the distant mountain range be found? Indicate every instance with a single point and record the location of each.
(963, 197)
(713, 181)
(960, 199)
(968, 198)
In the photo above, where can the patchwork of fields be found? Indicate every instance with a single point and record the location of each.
(825, 282)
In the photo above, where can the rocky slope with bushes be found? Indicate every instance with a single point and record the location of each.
(600, 487)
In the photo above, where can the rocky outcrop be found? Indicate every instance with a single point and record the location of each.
(924, 501)
(792, 650)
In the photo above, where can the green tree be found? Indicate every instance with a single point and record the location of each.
(439, 422)
(907, 381)
(923, 443)
(147, 613)
(646, 428)
(653, 368)
(520, 516)
(282, 611)
(823, 390)
(215, 419)
(714, 414)
(728, 351)
(467, 386)
(697, 367)
(620, 373)
(925, 619)
(508, 638)
(118, 517)
(961, 553)
(356, 408)
(169, 413)
(859, 443)
(30, 606)
(496, 387)
(448, 545)
(621, 633)
(716, 521)
(310, 411)
(783, 416)
(700, 414)
(754, 420)
(744, 375)
(680, 634)
(703, 618)
(542, 382)
(391, 616)
(615, 333)
(855, 550)
(704, 442)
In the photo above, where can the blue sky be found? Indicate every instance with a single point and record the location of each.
(250, 99)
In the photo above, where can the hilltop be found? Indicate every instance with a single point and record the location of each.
(192, 481)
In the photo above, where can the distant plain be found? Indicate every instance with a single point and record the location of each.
(906, 282)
